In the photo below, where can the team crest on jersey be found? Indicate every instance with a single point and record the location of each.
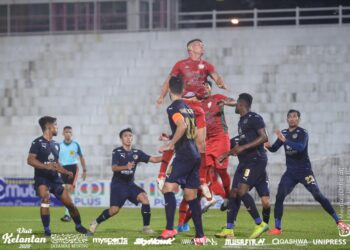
(209, 104)
(201, 66)
(135, 157)
(51, 157)
(294, 136)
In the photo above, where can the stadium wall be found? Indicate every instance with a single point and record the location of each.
(100, 83)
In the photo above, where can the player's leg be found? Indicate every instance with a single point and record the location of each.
(118, 195)
(182, 225)
(263, 191)
(266, 208)
(233, 206)
(214, 187)
(145, 212)
(44, 195)
(69, 185)
(73, 211)
(285, 187)
(190, 194)
(170, 208)
(226, 184)
(310, 184)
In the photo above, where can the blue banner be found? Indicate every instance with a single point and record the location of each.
(21, 192)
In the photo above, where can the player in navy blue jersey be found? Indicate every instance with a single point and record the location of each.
(124, 163)
(295, 142)
(43, 156)
(184, 170)
(251, 170)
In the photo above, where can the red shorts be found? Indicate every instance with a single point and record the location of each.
(216, 146)
(198, 112)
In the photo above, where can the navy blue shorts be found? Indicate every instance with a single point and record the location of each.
(74, 169)
(290, 179)
(122, 191)
(261, 187)
(55, 185)
(185, 172)
(251, 172)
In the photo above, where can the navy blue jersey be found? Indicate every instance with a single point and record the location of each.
(248, 131)
(122, 157)
(46, 152)
(186, 144)
(296, 148)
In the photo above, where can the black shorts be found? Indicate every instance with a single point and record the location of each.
(55, 185)
(251, 172)
(185, 172)
(74, 169)
(122, 191)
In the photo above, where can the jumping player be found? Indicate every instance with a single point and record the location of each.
(217, 142)
(194, 72)
(185, 166)
(295, 142)
(123, 187)
(43, 157)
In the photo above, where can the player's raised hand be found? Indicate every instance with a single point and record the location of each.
(160, 101)
(131, 165)
(280, 135)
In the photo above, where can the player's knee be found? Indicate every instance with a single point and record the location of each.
(143, 198)
(265, 202)
(113, 210)
(45, 199)
(234, 193)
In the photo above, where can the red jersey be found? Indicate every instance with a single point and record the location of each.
(214, 115)
(194, 75)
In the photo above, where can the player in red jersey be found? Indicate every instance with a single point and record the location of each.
(194, 72)
(217, 143)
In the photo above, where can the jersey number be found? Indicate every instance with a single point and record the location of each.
(191, 128)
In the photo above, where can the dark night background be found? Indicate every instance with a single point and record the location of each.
(206, 5)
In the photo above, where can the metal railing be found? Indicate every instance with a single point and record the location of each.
(89, 17)
(262, 17)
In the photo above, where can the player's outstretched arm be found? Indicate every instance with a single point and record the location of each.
(218, 80)
(228, 102)
(274, 147)
(32, 161)
(164, 90)
(155, 159)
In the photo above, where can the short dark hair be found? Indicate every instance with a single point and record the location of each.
(123, 131)
(67, 127)
(45, 120)
(293, 111)
(193, 40)
(176, 85)
(247, 98)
